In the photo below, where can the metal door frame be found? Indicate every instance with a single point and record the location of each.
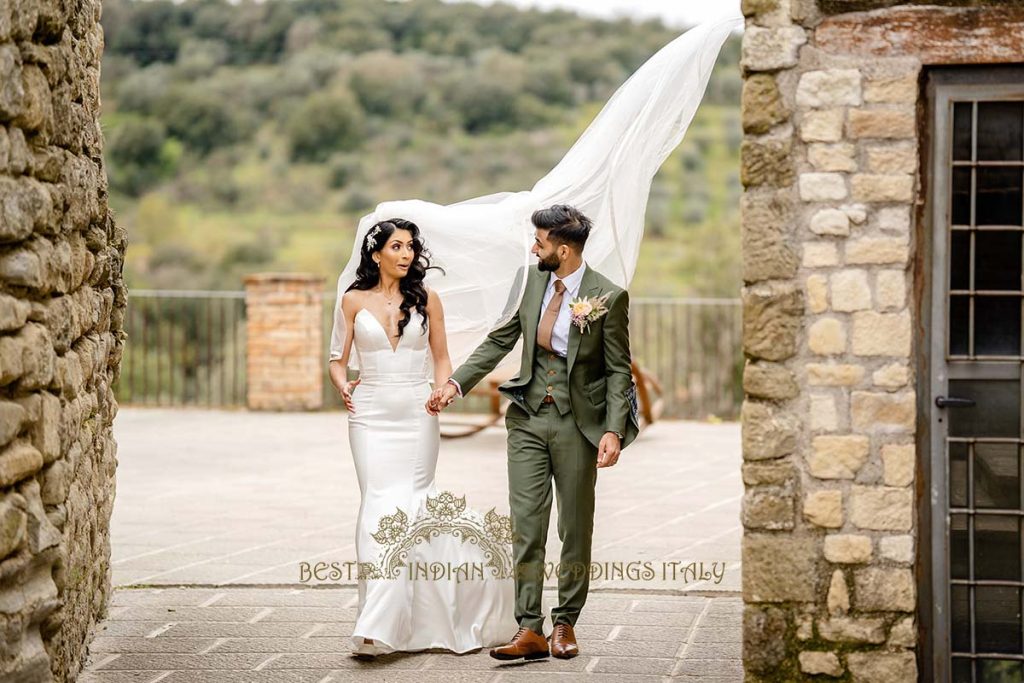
(942, 85)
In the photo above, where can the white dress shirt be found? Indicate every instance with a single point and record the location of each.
(560, 332)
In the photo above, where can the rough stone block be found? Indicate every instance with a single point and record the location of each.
(837, 456)
(779, 568)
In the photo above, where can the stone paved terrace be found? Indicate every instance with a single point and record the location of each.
(216, 510)
(279, 635)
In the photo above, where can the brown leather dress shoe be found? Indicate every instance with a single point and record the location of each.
(526, 644)
(563, 642)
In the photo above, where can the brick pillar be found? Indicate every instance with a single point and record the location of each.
(284, 341)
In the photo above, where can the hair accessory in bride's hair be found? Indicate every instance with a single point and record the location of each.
(371, 237)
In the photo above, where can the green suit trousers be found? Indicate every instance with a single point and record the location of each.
(543, 447)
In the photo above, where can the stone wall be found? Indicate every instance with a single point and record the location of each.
(830, 167)
(833, 118)
(61, 309)
(284, 341)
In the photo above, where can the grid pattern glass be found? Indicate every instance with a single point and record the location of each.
(985, 477)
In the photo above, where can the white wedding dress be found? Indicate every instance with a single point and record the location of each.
(394, 445)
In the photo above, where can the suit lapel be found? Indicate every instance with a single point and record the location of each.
(588, 287)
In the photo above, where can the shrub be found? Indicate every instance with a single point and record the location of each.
(325, 123)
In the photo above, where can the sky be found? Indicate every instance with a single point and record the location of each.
(679, 13)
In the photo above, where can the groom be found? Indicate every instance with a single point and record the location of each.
(573, 409)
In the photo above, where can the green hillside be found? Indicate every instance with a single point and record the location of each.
(252, 136)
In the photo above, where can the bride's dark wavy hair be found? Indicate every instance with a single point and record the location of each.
(414, 293)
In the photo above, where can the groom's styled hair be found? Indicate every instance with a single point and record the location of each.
(565, 224)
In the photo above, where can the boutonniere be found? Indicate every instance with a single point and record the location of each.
(585, 310)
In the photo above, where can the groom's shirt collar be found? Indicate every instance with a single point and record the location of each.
(572, 281)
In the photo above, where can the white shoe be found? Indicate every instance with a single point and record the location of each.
(368, 649)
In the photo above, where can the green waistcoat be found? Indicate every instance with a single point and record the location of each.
(550, 376)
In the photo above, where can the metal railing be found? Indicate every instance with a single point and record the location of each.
(184, 348)
(693, 346)
(187, 348)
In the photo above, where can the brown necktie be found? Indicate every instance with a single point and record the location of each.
(547, 321)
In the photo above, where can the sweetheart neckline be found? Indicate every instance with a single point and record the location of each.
(394, 349)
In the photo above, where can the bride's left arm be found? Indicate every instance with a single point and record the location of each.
(438, 339)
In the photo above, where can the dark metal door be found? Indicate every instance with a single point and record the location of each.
(977, 223)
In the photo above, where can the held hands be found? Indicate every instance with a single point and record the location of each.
(608, 450)
(346, 394)
(441, 398)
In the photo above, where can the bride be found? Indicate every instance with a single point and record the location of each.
(396, 326)
(389, 307)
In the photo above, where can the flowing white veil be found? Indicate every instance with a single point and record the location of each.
(483, 244)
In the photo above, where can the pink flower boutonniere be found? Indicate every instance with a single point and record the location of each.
(586, 310)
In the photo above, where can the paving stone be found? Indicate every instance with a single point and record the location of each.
(314, 643)
(681, 619)
(202, 662)
(644, 633)
(415, 677)
(187, 613)
(718, 651)
(112, 627)
(645, 665)
(714, 634)
(259, 630)
(677, 604)
(139, 644)
(339, 660)
(246, 677)
(710, 668)
(186, 625)
(720, 621)
(117, 677)
(526, 677)
(629, 648)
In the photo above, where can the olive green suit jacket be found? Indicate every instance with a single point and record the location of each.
(602, 394)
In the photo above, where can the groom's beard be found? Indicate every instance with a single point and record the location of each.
(549, 265)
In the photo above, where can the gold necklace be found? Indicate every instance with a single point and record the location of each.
(390, 300)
